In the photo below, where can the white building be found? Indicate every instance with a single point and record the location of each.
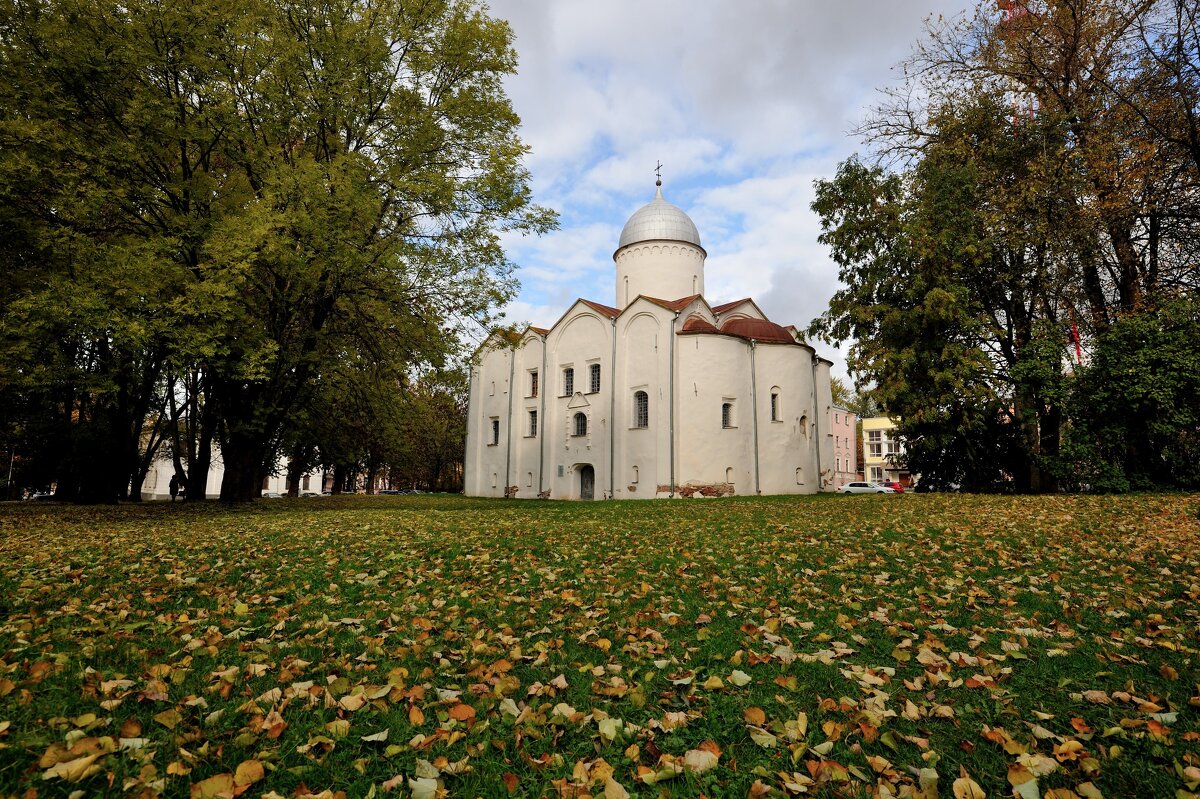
(663, 395)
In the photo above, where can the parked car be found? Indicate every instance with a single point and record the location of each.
(271, 495)
(892, 484)
(865, 488)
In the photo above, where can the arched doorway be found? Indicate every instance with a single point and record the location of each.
(587, 482)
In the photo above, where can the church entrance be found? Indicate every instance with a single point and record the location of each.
(587, 482)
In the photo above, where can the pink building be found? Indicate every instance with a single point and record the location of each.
(842, 428)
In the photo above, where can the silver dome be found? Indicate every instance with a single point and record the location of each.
(659, 220)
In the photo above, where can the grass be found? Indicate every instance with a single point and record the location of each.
(824, 646)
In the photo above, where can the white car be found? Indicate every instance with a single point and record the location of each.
(864, 488)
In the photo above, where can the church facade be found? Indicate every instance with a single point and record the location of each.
(659, 395)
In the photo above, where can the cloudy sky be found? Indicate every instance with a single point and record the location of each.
(745, 103)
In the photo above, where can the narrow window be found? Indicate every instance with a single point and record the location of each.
(533, 423)
(729, 475)
(641, 409)
(634, 479)
(775, 412)
(304, 485)
(529, 479)
(533, 383)
(727, 414)
(495, 479)
(594, 376)
(799, 476)
(495, 432)
(568, 381)
(580, 424)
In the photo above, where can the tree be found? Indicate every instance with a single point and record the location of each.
(1006, 238)
(221, 200)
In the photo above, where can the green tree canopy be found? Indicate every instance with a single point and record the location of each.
(244, 192)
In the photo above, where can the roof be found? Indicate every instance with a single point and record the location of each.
(672, 305)
(698, 324)
(725, 306)
(758, 330)
(659, 220)
(607, 310)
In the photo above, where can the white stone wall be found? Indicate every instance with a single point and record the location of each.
(486, 460)
(713, 370)
(580, 339)
(666, 270)
(787, 447)
(642, 455)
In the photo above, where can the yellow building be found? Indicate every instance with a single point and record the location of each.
(883, 453)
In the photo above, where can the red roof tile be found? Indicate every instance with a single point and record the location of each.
(607, 310)
(698, 324)
(722, 308)
(673, 305)
(758, 329)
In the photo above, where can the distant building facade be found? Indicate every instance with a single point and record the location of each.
(660, 395)
(883, 451)
(845, 445)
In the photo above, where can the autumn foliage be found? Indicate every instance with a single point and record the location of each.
(915, 646)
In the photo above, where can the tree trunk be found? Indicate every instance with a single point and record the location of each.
(243, 458)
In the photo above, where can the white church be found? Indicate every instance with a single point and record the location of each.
(659, 395)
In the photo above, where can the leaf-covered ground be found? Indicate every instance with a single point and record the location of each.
(917, 646)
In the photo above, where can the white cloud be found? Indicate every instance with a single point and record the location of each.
(745, 104)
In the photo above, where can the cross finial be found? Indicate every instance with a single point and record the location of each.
(658, 172)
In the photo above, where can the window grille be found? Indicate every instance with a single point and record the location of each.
(568, 381)
(594, 375)
(533, 383)
(727, 414)
(581, 424)
(533, 423)
(641, 409)
(495, 432)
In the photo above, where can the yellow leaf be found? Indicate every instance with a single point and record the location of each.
(614, 790)
(739, 678)
(73, 770)
(415, 716)
(352, 702)
(966, 788)
(461, 712)
(213, 787)
(169, 718)
(249, 772)
(698, 761)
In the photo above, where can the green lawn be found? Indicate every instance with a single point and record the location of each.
(827, 646)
